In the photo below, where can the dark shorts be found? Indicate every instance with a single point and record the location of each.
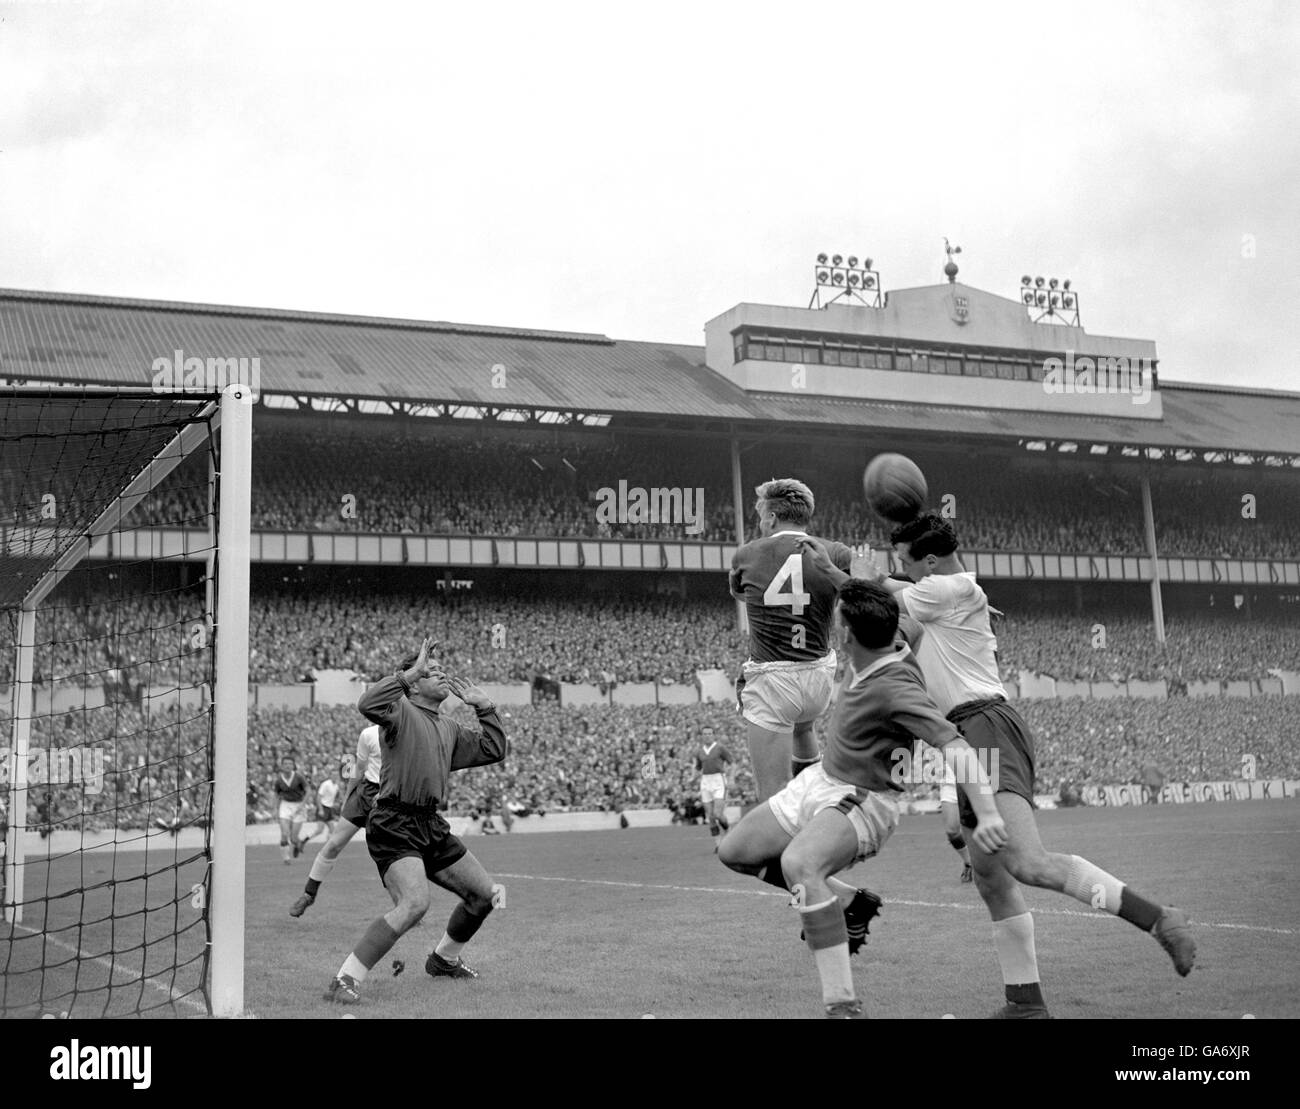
(393, 834)
(995, 726)
(359, 803)
(325, 814)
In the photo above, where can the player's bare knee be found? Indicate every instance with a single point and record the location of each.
(799, 866)
(1030, 869)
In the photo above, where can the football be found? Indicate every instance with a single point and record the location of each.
(895, 488)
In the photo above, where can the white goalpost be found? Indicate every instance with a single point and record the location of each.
(108, 469)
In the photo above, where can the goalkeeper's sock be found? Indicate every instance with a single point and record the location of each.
(448, 948)
(374, 945)
(1099, 890)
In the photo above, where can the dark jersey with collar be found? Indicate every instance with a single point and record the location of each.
(712, 758)
(421, 747)
(295, 789)
(878, 712)
(789, 602)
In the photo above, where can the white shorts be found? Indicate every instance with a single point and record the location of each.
(948, 787)
(874, 816)
(779, 695)
(293, 811)
(713, 787)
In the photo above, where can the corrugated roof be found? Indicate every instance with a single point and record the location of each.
(53, 336)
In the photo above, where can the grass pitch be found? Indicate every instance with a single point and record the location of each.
(624, 924)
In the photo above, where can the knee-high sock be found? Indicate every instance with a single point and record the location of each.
(461, 927)
(1099, 890)
(374, 945)
(320, 870)
(771, 873)
(828, 938)
(1014, 939)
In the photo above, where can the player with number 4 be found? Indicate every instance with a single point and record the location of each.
(787, 681)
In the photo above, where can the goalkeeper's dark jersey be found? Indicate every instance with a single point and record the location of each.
(421, 747)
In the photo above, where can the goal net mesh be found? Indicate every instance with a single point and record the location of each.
(106, 739)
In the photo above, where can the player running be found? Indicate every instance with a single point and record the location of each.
(326, 813)
(786, 682)
(291, 790)
(843, 810)
(957, 657)
(360, 799)
(711, 760)
(407, 836)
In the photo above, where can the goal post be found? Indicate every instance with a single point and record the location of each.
(230, 701)
(136, 674)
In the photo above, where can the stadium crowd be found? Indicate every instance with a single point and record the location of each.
(612, 758)
(507, 634)
(374, 476)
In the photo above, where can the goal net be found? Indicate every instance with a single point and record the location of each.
(118, 564)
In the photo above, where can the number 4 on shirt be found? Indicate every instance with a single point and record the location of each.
(791, 571)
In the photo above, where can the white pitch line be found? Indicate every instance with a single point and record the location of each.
(888, 901)
(104, 961)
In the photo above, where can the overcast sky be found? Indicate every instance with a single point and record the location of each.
(635, 172)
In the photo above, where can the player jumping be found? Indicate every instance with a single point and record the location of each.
(957, 657)
(407, 836)
(843, 810)
(786, 682)
(356, 808)
(327, 795)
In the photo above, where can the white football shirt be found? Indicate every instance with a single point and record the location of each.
(327, 793)
(956, 653)
(368, 749)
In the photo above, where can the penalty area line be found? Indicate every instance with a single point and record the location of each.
(888, 901)
(113, 968)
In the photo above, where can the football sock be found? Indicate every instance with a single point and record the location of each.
(1014, 940)
(798, 766)
(828, 937)
(448, 948)
(320, 870)
(286, 851)
(1099, 890)
(354, 968)
(771, 873)
(842, 890)
(374, 945)
(461, 926)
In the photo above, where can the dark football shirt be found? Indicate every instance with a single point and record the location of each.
(295, 789)
(784, 592)
(712, 758)
(422, 747)
(880, 711)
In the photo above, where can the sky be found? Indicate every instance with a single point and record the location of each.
(635, 171)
